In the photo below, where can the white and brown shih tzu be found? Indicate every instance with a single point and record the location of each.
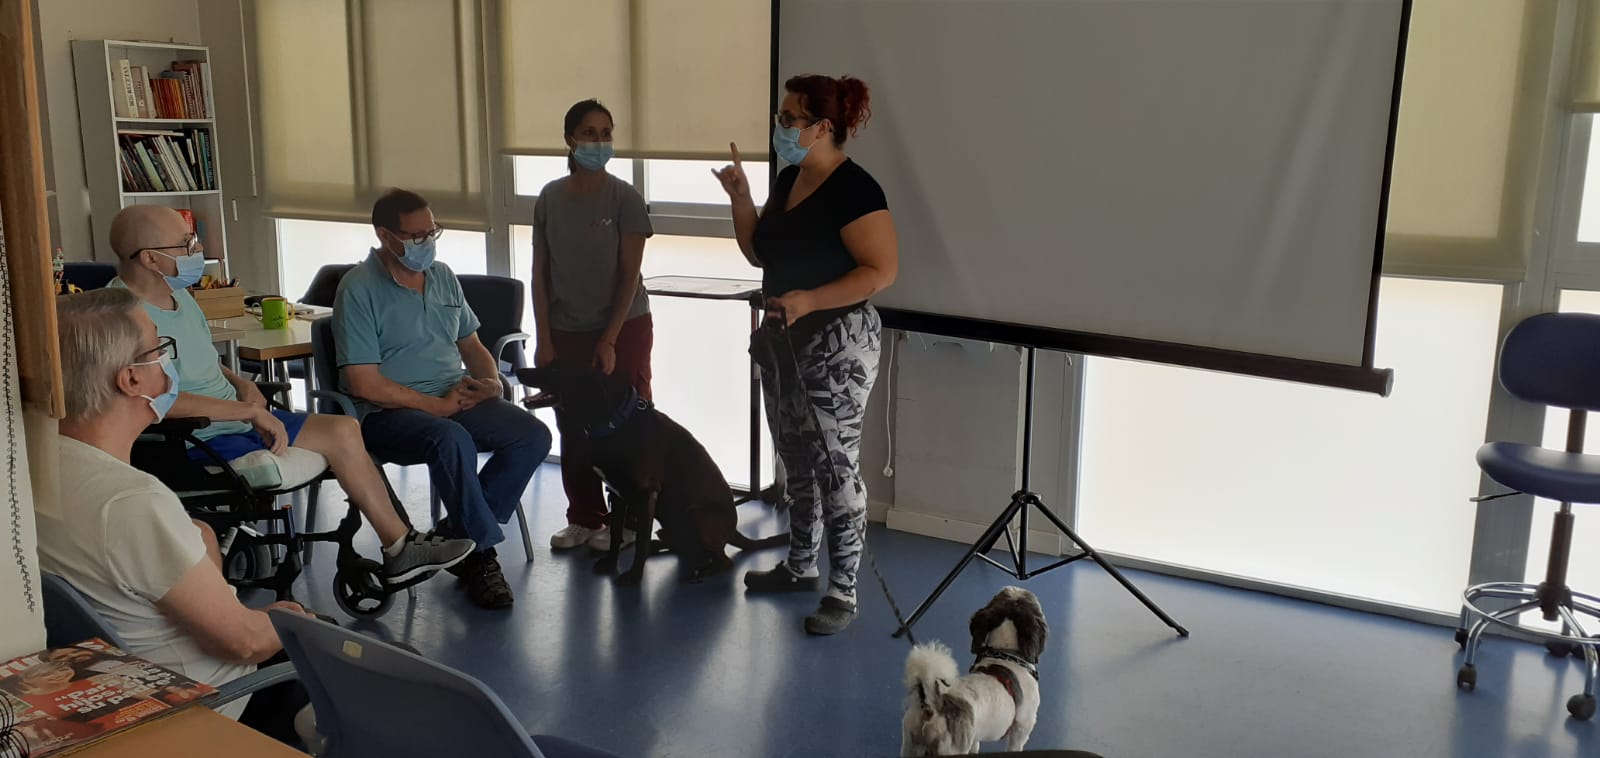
(947, 714)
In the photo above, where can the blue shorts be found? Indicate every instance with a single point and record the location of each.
(235, 446)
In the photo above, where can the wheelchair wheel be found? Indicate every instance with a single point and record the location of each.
(247, 560)
(359, 590)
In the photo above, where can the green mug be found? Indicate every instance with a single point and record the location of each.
(274, 313)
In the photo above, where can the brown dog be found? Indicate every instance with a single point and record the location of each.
(660, 472)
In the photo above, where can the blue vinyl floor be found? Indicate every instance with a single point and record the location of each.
(670, 669)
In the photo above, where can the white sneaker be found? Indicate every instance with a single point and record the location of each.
(572, 536)
(600, 540)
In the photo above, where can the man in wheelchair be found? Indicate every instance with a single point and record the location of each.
(158, 259)
(122, 538)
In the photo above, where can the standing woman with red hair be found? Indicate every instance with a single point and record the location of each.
(826, 244)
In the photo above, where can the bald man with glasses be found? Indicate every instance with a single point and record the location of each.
(159, 259)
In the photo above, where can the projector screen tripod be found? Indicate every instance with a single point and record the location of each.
(1022, 502)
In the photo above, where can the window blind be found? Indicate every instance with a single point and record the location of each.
(682, 78)
(357, 96)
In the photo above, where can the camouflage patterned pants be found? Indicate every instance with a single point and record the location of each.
(816, 419)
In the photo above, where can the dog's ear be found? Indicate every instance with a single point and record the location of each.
(984, 622)
(1032, 629)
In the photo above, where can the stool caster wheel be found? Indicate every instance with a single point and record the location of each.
(1461, 638)
(1581, 707)
(1467, 678)
(359, 589)
(1560, 649)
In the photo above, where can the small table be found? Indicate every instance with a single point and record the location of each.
(194, 731)
(713, 288)
(229, 340)
(271, 346)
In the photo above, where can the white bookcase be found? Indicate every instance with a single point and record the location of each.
(98, 70)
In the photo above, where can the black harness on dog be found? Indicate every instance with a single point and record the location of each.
(1031, 667)
(630, 405)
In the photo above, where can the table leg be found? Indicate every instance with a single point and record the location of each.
(231, 347)
(308, 365)
(755, 415)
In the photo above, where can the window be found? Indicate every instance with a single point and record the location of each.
(692, 182)
(305, 246)
(531, 172)
(1589, 215)
(700, 363)
(1325, 489)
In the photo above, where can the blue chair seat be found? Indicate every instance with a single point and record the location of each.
(1553, 474)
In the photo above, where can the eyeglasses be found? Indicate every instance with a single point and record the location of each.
(166, 347)
(189, 244)
(788, 121)
(420, 237)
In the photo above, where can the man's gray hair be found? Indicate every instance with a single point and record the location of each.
(99, 338)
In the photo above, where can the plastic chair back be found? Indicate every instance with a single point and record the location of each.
(374, 700)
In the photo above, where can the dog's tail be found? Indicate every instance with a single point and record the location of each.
(742, 542)
(930, 670)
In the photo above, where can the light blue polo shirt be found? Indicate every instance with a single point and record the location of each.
(199, 369)
(411, 337)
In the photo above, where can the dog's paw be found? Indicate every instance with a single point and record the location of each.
(606, 565)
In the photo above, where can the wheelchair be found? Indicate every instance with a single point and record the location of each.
(246, 503)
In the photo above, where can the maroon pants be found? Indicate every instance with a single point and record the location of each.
(586, 502)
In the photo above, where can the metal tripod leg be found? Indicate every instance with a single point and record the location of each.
(1113, 571)
(983, 545)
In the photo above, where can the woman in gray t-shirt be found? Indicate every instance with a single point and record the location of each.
(589, 229)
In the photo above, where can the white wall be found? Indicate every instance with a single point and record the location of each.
(60, 22)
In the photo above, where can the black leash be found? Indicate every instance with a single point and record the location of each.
(794, 359)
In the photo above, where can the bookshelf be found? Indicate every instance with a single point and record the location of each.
(148, 120)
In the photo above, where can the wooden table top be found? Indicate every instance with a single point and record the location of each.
(258, 344)
(194, 731)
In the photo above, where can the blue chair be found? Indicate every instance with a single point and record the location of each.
(498, 302)
(1552, 359)
(374, 699)
(69, 619)
(331, 400)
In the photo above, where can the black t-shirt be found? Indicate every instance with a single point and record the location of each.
(801, 248)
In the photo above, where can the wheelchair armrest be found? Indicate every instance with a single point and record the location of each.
(346, 405)
(276, 393)
(178, 427)
(261, 679)
(514, 338)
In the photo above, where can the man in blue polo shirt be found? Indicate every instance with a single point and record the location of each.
(403, 330)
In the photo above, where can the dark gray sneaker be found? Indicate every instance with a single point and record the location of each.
(423, 553)
(831, 617)
(779, 579)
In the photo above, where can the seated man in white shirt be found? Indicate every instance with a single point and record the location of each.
(122, 538)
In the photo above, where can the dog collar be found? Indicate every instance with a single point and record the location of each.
(631, 405)
(988, 652)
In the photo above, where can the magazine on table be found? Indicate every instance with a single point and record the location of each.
(63, 699)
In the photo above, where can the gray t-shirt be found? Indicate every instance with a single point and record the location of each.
(583, 236)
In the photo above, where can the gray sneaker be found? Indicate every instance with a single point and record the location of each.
(424, 553)
(831, 617)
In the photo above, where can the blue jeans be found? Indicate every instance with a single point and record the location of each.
(478, 501)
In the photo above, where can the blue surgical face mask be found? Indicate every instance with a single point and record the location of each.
(419, 255)
(593, 155)
(190, 267)
(787, 142)
(162, 403)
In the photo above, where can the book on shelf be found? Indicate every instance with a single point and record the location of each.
(183, 91)
(63, 699)
(166, 160)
